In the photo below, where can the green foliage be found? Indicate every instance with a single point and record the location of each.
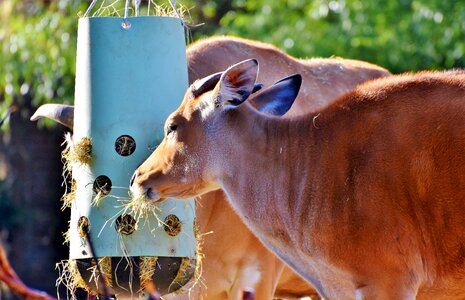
(401, 35)
(37, 57)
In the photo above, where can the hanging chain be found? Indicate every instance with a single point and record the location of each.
(90, 8)
(177, 13)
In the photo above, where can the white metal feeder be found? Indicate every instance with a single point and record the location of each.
(130, 74)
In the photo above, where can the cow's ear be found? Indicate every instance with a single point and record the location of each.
(278, 98)
(205, 84)
(257, 87)
(237, 83)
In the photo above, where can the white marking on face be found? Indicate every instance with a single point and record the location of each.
(206, 107)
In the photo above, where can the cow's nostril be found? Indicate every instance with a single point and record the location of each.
(134, 176)
(152, 195)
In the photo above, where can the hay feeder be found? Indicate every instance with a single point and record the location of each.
(131, 72)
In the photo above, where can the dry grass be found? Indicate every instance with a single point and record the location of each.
(141, 209)
(147, 270)
(105, 265)
(115, 8)
(70, 278)
(69, 196)
(200, 256)
(77, 152)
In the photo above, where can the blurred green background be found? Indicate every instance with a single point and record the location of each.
(37, 65)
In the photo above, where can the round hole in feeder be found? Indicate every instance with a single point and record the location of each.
(125, 145)
(102, 185)
(83, 226)
(125, 224)
(173, 225)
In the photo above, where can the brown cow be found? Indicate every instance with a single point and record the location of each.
(233, 255)
(364, 198)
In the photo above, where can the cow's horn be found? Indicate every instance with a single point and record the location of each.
(61, 113)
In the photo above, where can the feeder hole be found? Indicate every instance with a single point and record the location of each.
(173, 225)
(102, 185)
(125, 224)
(125, 145)
(83, 226)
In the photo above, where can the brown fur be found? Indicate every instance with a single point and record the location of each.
(232, 247)
(366, 201)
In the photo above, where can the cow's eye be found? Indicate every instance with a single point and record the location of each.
(172, 127)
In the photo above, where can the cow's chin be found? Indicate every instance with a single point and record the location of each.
(181, 192)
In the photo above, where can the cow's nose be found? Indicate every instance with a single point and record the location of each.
(133, 178)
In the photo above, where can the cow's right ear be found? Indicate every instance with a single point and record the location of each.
(278, 98)
(236, 84)
(205, 84)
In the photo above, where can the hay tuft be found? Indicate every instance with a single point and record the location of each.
(147, 268)
(67, 234)
(105, 265)
(200, 255)
(77, 152)
(172, 225)
(111, 8)
(141, 209)
(69, 196)
(97, 200)
(187, 264)
(70, 278)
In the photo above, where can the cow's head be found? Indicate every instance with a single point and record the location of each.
(189, 160)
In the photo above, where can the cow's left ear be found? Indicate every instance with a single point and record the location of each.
(236, 84)
(278, 98)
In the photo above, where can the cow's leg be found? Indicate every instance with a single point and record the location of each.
(257, 281)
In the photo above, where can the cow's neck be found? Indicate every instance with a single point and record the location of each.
(268, 173)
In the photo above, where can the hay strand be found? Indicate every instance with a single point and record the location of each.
(115, 8)
(69, 196)
(77, 152)
(147, 268)
(70, 278)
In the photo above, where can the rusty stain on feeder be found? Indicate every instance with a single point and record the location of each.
(83, 226)
(125, 224)
(172, 225)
